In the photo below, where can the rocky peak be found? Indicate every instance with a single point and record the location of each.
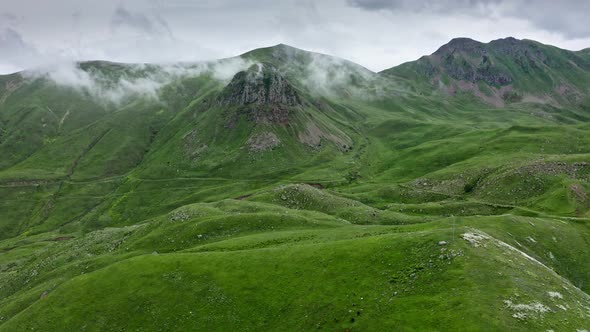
(468, 60)
(516, 48)
(261, 84)
(508, 43)
(464, 45)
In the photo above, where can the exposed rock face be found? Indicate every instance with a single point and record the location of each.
(193, 147)
(471, 61)
(262, 94)
(312, 136)
(468, 60)
(460, 68)
(262, 142)
(514, 47)
(259, 85)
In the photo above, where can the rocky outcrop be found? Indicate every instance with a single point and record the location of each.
(313, 135)
(460, 68)
(261, 94)
(467, 60)
(259, 85)
(263, 142)
(192, 146)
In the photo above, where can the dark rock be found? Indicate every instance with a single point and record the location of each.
(259, 85)
(461, 68)
(262, 94)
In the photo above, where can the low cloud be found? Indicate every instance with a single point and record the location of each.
(328, 76)
(376, 33)
(331, 76)
(136, 80)
(321, 75)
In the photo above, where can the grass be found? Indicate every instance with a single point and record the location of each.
(155, 215)
(343, 276)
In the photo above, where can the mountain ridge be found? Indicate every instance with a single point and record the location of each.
(501, 71)
(286, 190)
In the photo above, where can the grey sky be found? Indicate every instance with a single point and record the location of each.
(375, 33)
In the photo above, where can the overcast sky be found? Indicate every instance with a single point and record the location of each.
(375, 33)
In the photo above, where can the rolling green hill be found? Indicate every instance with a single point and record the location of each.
(289, 190)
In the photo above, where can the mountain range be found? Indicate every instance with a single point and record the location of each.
(288, 190)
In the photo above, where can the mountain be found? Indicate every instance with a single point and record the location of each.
(503, 71)
(288, 190)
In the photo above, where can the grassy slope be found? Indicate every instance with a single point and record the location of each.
(300, 273)
(111, 207)
(504, 71)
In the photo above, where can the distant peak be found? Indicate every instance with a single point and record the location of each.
(278, 48)
(462, 41)
(516, 47)
(474, 47)
(281, 45)
(506, 40)
(461, 44)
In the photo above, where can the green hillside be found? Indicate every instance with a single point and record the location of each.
(502, 72)
(289, 190)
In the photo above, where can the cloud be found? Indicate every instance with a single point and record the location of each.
(11, 42)
(139, 22)
(9, 18)
(14, 50)
(331, 76)
(375, 33)
(98, 84)
(565, 17)
(134, 80)
(431, 6)
(568, 17)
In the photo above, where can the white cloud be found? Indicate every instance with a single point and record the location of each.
(374, 33)
(140, 79)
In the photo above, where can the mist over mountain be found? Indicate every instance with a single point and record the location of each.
(283, 189)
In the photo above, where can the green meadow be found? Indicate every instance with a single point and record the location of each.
(304, 193)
